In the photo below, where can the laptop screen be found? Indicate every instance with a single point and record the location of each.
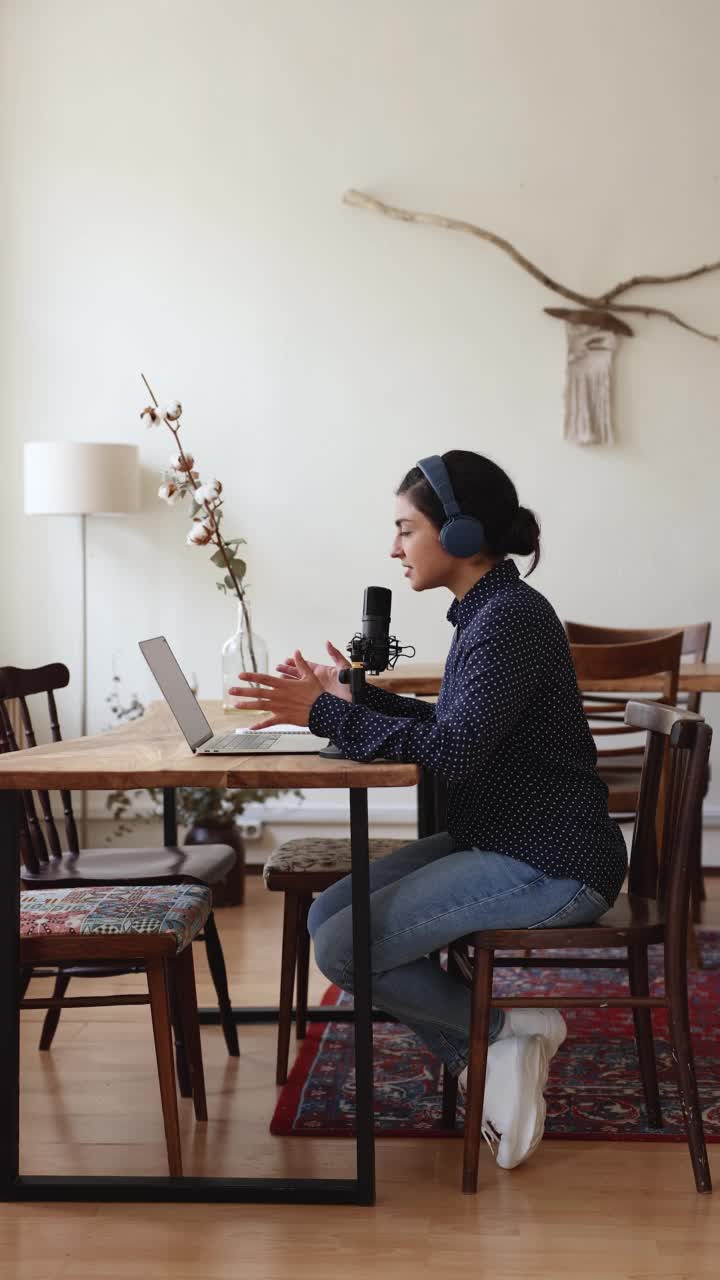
(176, 690)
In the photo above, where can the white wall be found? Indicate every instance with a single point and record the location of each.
(173, 175)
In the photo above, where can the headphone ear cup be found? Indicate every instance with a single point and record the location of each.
(462, 536)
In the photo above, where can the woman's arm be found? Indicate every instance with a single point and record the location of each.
(394, 704)
(491, 693)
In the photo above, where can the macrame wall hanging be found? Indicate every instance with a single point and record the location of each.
(593, 327)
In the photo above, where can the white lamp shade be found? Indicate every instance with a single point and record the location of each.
(81, 479)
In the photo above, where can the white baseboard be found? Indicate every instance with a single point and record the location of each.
(314, 811)
(297, 812)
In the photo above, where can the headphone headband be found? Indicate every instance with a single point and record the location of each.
(461, 535)
(436, 474)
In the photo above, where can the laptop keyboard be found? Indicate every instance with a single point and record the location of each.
(242, 742)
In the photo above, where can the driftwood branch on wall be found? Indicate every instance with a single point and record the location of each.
(604, 303)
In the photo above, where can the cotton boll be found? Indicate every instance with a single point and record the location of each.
(180, 462)
(172, 411)
(199, 534)
(209, 492)
(169, 493)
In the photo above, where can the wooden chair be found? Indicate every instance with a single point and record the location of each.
(46, 865)
(695, 640)
(655, 910)
(149, 927)
(300, 869)
(615, 666)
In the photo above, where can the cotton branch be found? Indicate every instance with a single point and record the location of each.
(605, 302)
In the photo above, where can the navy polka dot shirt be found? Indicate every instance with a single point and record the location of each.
(508, 736)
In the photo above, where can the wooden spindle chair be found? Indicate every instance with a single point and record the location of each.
(654, 911)
(45, 864)
(623, 774)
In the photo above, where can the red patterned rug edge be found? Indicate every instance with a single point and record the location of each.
(281, 1125)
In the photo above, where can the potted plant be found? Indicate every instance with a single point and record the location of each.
(210, 816)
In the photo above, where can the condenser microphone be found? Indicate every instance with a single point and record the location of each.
(376, 627)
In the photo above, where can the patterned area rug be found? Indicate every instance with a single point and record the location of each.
(594, 1088)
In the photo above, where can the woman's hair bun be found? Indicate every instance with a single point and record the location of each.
(523, 536)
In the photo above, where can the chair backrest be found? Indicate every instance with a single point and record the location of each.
(615, 666)
(696, 637)
(17, 683)
(660, 858)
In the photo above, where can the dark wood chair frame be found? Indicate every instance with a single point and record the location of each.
(655, 910)
(166, 969)
(695, 641)
(621, 664)
(46, 865)
(299, 888)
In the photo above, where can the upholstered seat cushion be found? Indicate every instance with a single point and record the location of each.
(321, 855)
(162, 909)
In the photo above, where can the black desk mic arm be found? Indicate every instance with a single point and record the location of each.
(367, 655)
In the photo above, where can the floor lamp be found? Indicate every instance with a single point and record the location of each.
(63, 479)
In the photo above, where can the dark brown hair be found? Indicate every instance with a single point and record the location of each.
(485, 491)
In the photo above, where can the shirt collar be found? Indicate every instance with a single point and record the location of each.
(502, 575)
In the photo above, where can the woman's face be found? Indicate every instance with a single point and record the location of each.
(417, 546)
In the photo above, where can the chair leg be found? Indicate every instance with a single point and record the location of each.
(160, 1008)
(182, 1065)
(303, 968)
(640, 986)
(26, 973)
(679, 1024)
(449, 1081)
(477, 1065)
(52, 1017)
(184, 977)
(216, 963)
(697, 880)
(287, 982)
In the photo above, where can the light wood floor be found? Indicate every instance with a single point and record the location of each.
(91, 1106)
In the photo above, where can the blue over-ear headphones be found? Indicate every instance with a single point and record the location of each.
(460, 535)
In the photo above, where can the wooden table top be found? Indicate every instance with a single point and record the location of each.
(151, 752)
(424, 678)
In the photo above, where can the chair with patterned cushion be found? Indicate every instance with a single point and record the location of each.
(149, 927)
(46, 865)
(300, 869)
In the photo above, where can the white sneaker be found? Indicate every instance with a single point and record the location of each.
(514, 1108)
(548, 1023)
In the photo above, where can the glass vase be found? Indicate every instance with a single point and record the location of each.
(238, 653)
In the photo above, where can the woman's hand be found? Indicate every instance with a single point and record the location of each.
(285, 701)
(328, 676)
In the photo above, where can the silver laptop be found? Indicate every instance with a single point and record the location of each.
(191, 718)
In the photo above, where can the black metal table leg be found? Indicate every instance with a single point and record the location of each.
(439, 804)
(169, 817)
(9, 992)
(362, 984)
(426, 819)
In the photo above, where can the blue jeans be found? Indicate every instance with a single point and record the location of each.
(423, 896)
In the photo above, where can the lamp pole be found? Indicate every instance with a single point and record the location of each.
(81, 478)
(84, 676)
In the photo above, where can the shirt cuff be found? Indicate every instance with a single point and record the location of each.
(327, 714)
